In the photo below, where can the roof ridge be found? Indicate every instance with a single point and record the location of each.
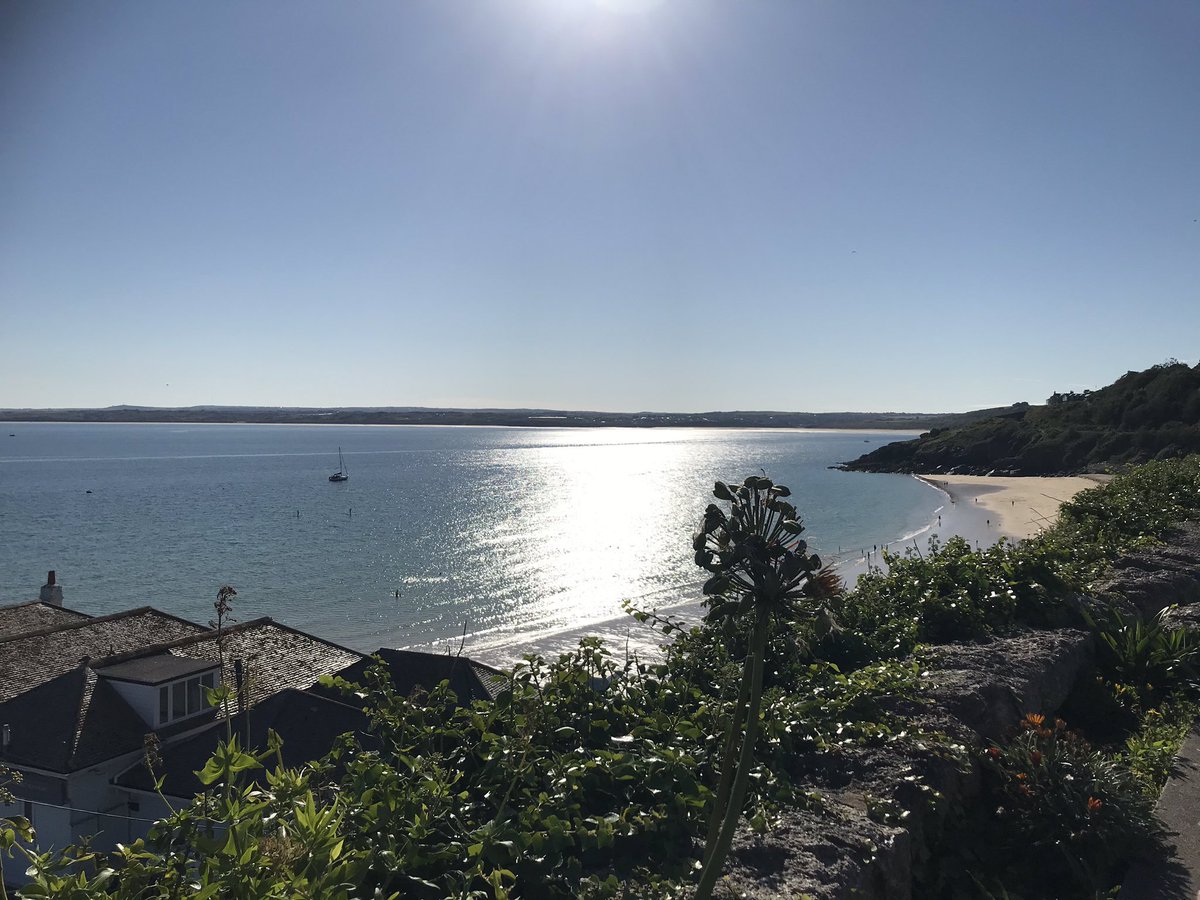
(87, 687)
(162, 647)
(25, 603)
(91, 620)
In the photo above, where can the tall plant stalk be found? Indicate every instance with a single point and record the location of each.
(761, 571)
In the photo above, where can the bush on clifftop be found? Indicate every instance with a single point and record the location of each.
(1140, 417)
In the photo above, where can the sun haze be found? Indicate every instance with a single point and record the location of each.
(594, 204)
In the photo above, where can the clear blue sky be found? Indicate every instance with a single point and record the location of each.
(598, 204)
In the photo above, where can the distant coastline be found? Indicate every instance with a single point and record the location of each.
(510, 418)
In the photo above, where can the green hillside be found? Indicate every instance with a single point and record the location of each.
(1141, 416)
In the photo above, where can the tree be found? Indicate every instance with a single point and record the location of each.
(761, 573)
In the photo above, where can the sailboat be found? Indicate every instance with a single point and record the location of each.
(341, 474)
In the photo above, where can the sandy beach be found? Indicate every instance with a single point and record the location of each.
(1011, 507)
(981, 509)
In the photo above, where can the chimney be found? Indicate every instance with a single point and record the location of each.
(51, 591)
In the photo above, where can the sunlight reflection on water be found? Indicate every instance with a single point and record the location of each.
(498, 530)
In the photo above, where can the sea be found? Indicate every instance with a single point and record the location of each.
(442, 536)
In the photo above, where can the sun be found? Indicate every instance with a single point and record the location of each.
(628, 7)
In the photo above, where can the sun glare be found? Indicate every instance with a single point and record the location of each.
(628, 7)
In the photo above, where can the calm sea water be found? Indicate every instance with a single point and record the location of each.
(494, 530)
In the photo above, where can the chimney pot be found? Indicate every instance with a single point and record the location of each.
(51, 592)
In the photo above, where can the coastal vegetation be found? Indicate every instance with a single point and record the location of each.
(600, 775)
(763, 574)
(1154, 414)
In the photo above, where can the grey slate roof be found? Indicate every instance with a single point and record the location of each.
(35, 616)
(274, 657)
(410, 670)
(65, 715)
(308, 724)
(35, 657)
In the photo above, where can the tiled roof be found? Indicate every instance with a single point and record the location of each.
(35, 657)
(64, 715)
(73, 721)
(274, 657)
(106, 726)
(411, 670)
(307, 723)
(43, 721)
(35, 616)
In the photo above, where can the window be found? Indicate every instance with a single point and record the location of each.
(184, 698)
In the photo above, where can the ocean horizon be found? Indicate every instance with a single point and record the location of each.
(483, 534)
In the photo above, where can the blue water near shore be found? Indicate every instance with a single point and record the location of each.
(503, 532)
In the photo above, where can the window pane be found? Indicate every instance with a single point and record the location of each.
(163, 696)
(178, 700)
(207, 680)
(193, 692)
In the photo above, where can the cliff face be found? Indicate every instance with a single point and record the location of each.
(1141, 416)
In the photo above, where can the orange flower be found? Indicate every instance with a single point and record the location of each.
(1034, 720)
(1021, 776)
(1094, 805)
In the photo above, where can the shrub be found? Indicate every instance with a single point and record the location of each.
(1147, 656)
(1068, 815)
(1150, 752)
(950, 593)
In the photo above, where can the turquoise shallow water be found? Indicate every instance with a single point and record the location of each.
(498, 531)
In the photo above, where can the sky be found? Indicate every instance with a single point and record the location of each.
(672, 205)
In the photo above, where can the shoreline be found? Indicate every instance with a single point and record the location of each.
(980, 509)
(1015, 507)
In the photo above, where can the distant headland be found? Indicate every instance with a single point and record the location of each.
(1142, 416)
(523, 418)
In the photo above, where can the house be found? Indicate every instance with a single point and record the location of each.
(79, 695)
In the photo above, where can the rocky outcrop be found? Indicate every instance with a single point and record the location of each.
(880, 809)
(1157, 577)
(989, 687)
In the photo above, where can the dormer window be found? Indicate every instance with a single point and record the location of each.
(163, 688)
(181, 699)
